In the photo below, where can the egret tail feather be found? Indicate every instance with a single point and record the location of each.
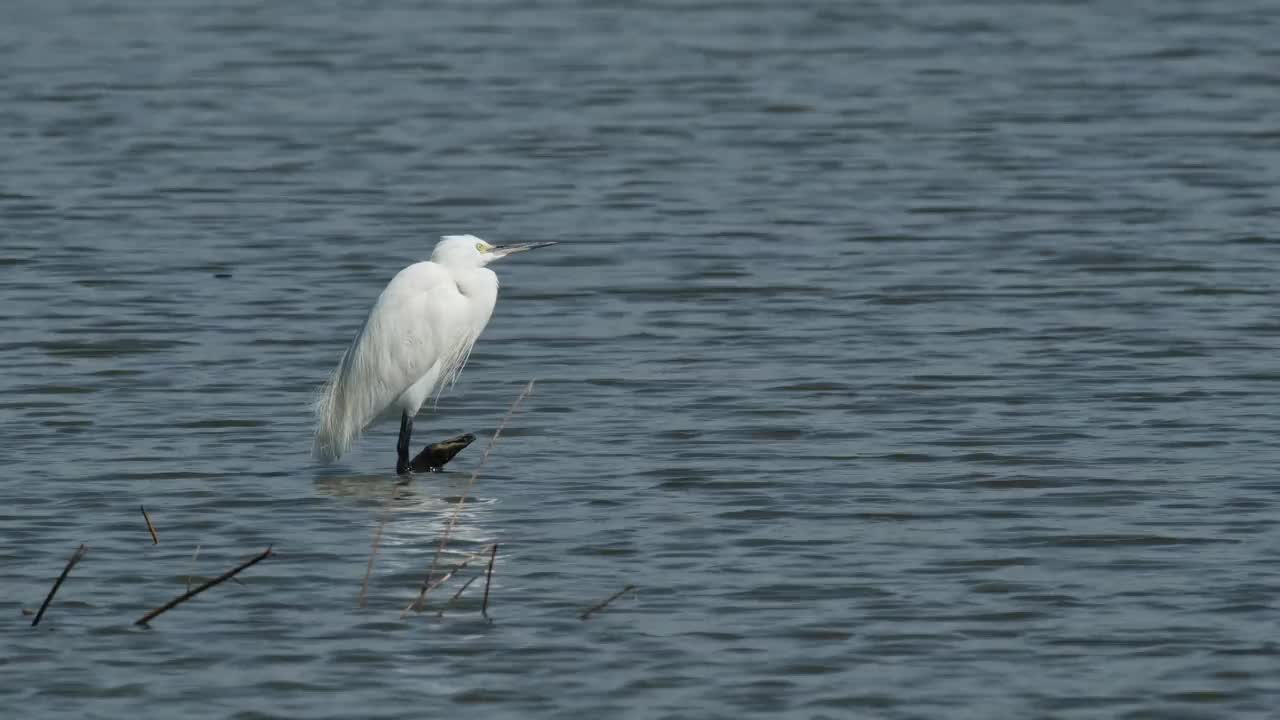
(338, 422)
(333, 436)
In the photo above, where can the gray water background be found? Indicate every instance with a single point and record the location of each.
(913, 359)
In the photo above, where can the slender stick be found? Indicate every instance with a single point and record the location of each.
(75, 558)
(488, 578)
(192, 593)
(150, 528)
(454, 599)
(373, 550)
(587, 613)
(457, 510)
(415, 606)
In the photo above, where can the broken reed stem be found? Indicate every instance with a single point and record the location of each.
(415, 606)
(192, 593)
(75, 558)
(444, 540)
(587, 613)
(456, 595)
(373, 550)
(150, 528)
(488, 578)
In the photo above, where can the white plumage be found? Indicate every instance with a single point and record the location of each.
(415, 341)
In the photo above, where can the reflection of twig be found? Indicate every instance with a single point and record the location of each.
(457, 510)
(454, 599)
(194, 555)
(150, 528)
(192, 593)
(373, 550)
(202, 578)
(587, 613)
(75, 558)
(488, 577)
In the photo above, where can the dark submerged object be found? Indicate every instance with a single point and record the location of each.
(434, 456)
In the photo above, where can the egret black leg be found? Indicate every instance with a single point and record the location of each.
(402, 446)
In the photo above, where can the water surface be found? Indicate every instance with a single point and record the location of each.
(912, 359)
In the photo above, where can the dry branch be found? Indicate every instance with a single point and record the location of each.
(155, 540)
(587, 613)
(420, 601)
(434, 456)
(75, 558)
(488, 578)
(456, 595)
(192, 593)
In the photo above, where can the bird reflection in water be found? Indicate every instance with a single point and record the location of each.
(416, 513)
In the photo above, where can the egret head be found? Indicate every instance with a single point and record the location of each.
(463, 251)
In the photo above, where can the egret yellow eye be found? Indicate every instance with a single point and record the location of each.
(483, 247)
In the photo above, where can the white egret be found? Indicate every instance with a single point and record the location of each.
(416, 339)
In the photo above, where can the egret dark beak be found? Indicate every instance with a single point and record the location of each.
(505, 250)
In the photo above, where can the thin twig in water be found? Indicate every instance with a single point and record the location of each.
(414, 606)
(75, 558)
(192, 593)
(488, 577)
(587, 613)
(457, 510)
(373, 550)
(454, 599)
(150, 528)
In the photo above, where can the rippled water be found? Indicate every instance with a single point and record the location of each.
(912, 359)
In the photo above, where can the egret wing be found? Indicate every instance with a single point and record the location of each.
(406, 334)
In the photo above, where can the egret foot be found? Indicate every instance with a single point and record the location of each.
(434, 456)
